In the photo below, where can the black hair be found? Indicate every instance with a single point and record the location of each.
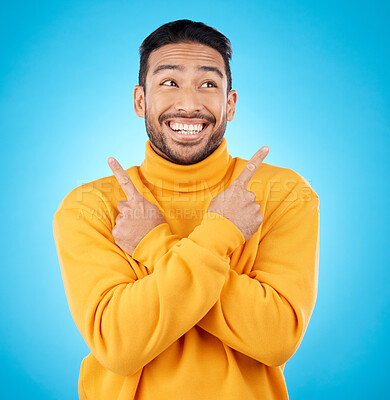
(187, 31)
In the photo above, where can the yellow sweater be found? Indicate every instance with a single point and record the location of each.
(196, 312)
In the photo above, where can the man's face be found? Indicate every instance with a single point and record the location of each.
(186, 105)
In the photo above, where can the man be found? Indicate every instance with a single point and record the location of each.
(194, 275)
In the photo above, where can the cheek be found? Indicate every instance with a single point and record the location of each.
(158, 103)
(216, 104)
(218, 109)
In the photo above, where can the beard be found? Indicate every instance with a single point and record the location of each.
(182, 153)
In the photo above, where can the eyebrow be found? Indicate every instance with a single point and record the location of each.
(181, 68)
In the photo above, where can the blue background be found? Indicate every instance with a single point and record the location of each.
(313, 85)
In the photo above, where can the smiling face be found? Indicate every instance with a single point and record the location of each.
(186, 105)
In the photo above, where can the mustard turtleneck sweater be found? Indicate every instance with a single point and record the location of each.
(196, 312)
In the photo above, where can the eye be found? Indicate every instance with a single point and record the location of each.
(211, 83)
(169, 80)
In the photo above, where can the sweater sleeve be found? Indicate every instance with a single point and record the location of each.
(264, 314)
(128, 320)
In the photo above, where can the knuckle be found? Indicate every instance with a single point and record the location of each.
(119, 243)
(123, 180)
(114, 231)
(252, 195)
(122, 204)
(126, 212)
(251, 166)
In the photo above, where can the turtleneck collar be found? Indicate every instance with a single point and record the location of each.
(186, 178)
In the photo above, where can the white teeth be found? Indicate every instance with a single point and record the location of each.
(186, 129)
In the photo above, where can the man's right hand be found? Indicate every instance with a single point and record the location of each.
(137, 216)
(238, 204)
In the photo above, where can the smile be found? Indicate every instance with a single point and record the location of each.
(187, 128)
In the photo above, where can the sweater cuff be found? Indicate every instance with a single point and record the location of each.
(218, 234)
(155, 244)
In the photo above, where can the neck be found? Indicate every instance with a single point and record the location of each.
(166, 174)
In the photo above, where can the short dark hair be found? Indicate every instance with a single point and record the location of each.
(187, 31)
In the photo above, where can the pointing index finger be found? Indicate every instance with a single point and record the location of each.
(252, 165)
(122, 177)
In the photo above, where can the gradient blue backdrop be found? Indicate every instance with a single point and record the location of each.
(313, 85)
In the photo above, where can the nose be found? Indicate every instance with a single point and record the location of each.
(188, 100)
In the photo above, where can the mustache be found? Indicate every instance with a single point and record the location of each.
(166, 116)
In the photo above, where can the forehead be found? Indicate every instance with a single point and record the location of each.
(190, 54)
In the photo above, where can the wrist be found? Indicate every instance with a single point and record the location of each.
(218, 234)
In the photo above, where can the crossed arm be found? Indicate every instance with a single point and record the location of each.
(127, 321)
(263, 314)
(126, 316)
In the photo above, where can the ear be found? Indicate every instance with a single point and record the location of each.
(231, 105)
(139, 101)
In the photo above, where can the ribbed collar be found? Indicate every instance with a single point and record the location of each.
(186, 178)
